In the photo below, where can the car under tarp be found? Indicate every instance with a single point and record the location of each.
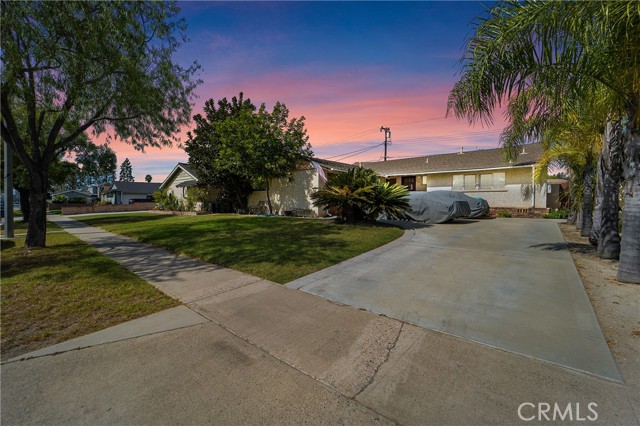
(443, 206)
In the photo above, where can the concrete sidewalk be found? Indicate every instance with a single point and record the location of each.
(260, 353)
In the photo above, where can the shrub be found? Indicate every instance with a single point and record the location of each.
(557, 214)
(78, 200)
(165, 200)
(504, 213)
(60, 199)
(358, 195)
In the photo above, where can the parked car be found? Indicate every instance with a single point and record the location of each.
(141, 200)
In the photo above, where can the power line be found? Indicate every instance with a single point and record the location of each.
(355, 152)
(359, 152)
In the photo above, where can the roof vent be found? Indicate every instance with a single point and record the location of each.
(523, 151)
(427, 160)
(461, 150)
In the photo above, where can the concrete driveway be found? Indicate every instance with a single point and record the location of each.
(506, 283)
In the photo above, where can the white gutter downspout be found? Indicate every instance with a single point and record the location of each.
(533, 187)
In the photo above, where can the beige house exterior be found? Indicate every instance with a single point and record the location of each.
(290, 195)
(480, 173)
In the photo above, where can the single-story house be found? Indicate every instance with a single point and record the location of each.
(124, 192)
(481, 173)
(74, 193)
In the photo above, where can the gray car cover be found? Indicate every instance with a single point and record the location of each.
(443, 206)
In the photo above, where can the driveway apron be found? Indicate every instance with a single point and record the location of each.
(506, 283)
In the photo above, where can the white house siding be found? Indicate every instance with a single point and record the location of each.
(180, 177)
(516, 193)
(292, 194)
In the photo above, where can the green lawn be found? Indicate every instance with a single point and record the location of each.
(279, 249)
(66, 290)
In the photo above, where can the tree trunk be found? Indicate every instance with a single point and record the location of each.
(37, 229)
(594, 235)
(25, 205)
(608, 235)
(587, 198)
(269, 197)
(629, 266)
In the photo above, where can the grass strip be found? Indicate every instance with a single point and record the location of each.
(66, 290)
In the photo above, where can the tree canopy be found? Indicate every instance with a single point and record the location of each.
(89, 66)
(126, 171)
(546, 59)
(98, 164)
(236, 144)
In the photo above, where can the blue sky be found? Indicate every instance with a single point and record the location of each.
(348, 67)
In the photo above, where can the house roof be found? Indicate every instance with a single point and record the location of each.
(145, 188)
(176, 169)
(466, 161)
(74, 191)
(333, 165)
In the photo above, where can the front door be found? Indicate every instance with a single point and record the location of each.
(409, 182)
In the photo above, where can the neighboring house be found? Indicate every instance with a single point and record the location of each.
(73, 193)
(124, 192)
(179, 180)
(480, 173)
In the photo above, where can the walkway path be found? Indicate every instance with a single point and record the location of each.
(252, 352)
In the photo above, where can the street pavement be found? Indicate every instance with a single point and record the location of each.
(247, 351)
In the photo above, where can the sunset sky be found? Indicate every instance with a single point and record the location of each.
(347, 67)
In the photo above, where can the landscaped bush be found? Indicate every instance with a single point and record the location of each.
(359, 195)
(503, 213)
(557, 214)
(60, 199)
(165, 200)
(78, 200)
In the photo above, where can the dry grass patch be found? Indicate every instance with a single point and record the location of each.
(64, 291)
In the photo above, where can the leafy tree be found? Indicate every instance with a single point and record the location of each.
(205, 148)
(126, 171)
(247, 145)
(148, 178)
(98, 164)
(565, 51)
(359, 195)
(75, 66)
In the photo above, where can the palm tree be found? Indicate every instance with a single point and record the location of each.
(567, 51)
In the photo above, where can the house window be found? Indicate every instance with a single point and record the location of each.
(392, 181)
(483, 182)
(486, 181)
(458, 183)
(409, 182)
(469, 182)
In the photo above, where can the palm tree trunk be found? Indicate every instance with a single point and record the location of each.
(629, 266)
(608, 236)
(587, 197)
(594, 235)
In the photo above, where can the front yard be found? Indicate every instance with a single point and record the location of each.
(64, 291)
(278, 249)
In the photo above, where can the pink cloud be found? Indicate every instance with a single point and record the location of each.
(344, 111)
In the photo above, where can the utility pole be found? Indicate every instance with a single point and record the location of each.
(387, 135)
